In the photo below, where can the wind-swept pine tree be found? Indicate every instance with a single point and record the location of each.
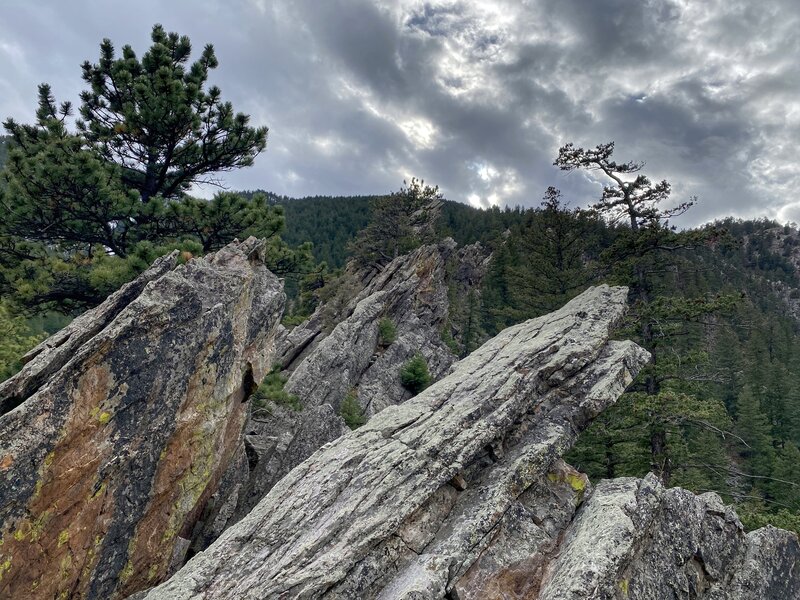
(645, 255)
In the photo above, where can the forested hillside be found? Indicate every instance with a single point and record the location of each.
(717, 306)
(330, 222)
(728, 368)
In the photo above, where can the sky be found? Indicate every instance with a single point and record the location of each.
(473, 96)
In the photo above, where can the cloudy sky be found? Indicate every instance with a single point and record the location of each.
(473, 95)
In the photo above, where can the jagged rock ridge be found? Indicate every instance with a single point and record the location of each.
(635, 539)
(324, 366)
(488, 430)
(411, 293)
(460, 493)
(122, 447)
(126, 422)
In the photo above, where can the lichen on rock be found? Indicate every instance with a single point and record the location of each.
(120, 429)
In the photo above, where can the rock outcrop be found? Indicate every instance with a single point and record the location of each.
(405, 505)
(460, 493)
(324, 366)
(411, 293)
(127, 446)
(122, 427)
(635, 539)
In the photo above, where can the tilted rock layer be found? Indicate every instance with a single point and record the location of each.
(635, 539)
(125, 423)
(411, 293)
(325, 366)
(460, 493)
(403, 506)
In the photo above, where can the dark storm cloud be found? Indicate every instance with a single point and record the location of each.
(476, 96)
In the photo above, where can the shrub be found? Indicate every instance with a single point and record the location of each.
(387, 332)
(450, 341)
(351, 411)
(754, 516)
(16, 338)
(415, 375)
(271, 390)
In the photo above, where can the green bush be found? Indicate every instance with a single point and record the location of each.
(271, 390)
(754, 516)
(415, 375)
(292, 320)
(387, 332)
(351, 411)
(450, 341)
(16, 338)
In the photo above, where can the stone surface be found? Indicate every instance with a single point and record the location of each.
(335, 525)
(126, 423)
(513, 562)
(280, 441)
(411, 292)
(53, 353)
(324, 366)
(635, 539)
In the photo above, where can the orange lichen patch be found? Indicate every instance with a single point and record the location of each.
(202, 445)
(65, 514)
(6, 462)
(519, 581)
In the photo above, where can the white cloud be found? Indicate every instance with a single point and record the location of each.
(473, 95)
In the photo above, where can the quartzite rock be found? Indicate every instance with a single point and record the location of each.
(278, 443)
(129, 419)
(411, 292)
(440, 471)
(53, 353)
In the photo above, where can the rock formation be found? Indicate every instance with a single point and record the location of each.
(324, 366)
(635, 539)
(460, 493)
(127, 445)
(120, 428)
(411, 293)
(403, 506)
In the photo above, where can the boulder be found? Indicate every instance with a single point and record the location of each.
(120, 429)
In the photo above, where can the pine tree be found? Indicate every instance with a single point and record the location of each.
(552, 258)
(85, 211)
(400, 222)
(754, 427)
(646, 246)
(785, 484)
(154, 118)
(16, 338)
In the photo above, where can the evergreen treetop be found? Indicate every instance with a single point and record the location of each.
(87, 210)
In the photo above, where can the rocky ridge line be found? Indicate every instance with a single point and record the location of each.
(324, 366)
(488, 430)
